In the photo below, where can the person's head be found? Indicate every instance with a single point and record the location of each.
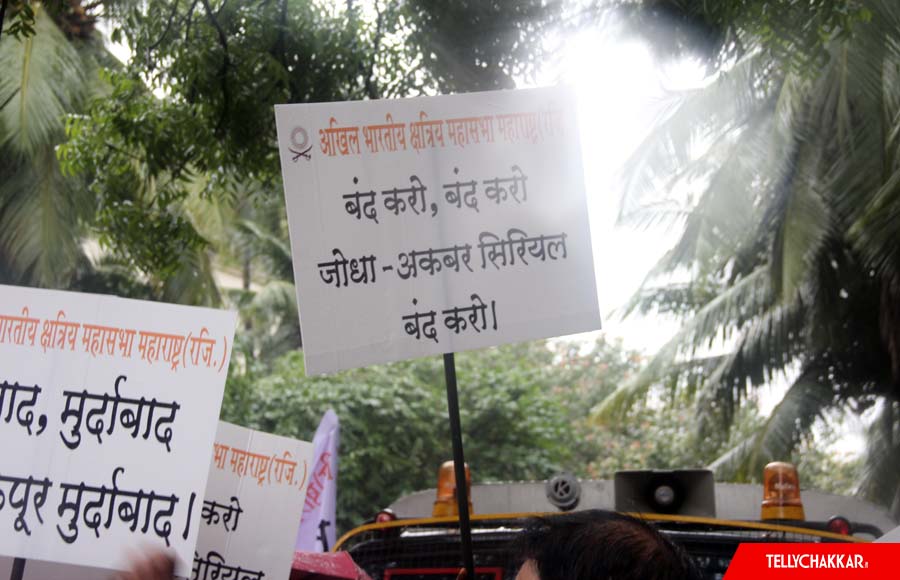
(599, 545)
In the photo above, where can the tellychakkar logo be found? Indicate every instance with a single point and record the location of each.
(801, 561)
(817, 561)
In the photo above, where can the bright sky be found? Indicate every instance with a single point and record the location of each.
(619, 87)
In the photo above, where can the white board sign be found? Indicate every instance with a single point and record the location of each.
(436, 224)
(254, 501)
(108, 409)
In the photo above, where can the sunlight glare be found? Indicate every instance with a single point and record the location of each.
(619, 87)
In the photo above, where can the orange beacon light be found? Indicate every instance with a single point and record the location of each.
(445, 504)
(781, 493)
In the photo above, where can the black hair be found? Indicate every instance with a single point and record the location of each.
(601, 545)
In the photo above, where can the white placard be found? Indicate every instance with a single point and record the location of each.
(108, 409)
(254, 500)
(436, 224)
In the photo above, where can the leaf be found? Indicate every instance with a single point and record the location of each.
(791, 418)
(39, 228)
(43, 80)
(689, 116)
(741, 301)
(804, 227)
(880, 479)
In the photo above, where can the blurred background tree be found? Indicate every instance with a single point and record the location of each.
(525, 415)
(46, 74)
(782, 173)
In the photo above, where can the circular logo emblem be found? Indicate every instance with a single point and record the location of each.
(299, 138)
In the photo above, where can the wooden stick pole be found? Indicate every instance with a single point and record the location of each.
(18, 569)
(459, 466)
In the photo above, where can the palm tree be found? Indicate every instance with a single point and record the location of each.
(45, 76)
(247, 226)
(46, 214)
(787, 267)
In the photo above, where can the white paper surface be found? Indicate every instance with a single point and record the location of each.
(494, 177)
(148, 380)
(254, 500)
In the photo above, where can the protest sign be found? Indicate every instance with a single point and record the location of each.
(436, 224)
(254, 498)
(108, 409)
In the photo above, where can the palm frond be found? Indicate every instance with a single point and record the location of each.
(880, 481)
(688, 116)
(732, 462)
(276, 298)
(725, 212)
(43, 80)
(805, 224)
(274, 249)
(192, 282)
(273, 318)
(876, 231)
(767, 345)
(39, 221)
(816, 194)
(805, 401)
(741, 301)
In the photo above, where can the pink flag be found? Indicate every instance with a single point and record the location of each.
(317, 526)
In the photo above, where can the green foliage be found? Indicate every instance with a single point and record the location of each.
(785, 239)
(796, 34)
(525, 416)
(522, 408)
(194, 107)
(227, 63)
(472, 46)
(45, 76)
(21, 19)
(826, 471)
(131, 146)
(652, 435)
